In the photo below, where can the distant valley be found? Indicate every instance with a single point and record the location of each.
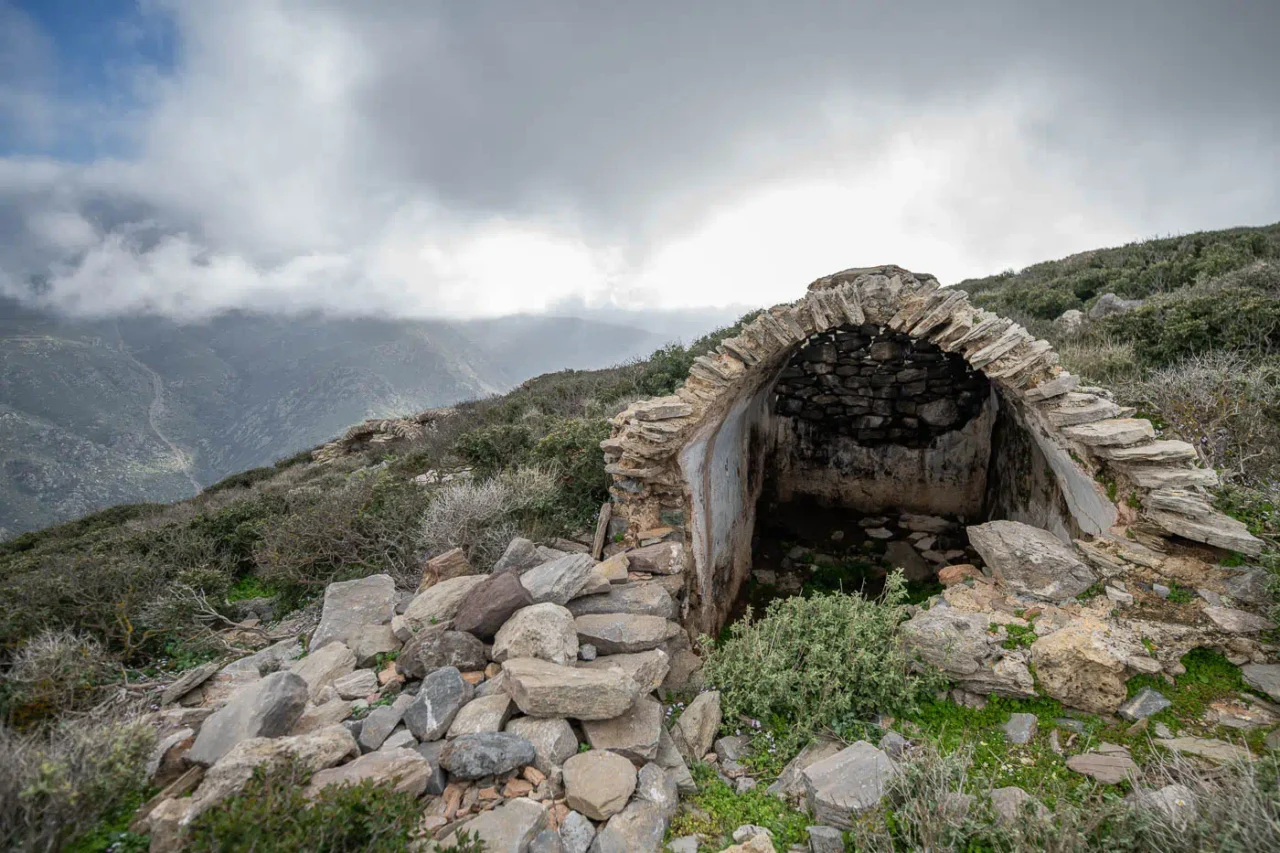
(96, 413)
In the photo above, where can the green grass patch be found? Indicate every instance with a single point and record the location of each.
(1019, 636)
(716, 810)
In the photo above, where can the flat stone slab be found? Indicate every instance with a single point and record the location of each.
(324, 666)
(352, 606)
(439, 604)
(1264, 677)
(1238, 621)
(695, 731)
(648, 669)
(544, 689)
(1144, 703)
(643, 599)
(1110, 766)
(486, 754)
(1031, 561)
(622, 633)
(851, 781)
(429, 650)
(1217, 751)
(508, 828)
(636, 829)
(1020, 728)
(486, 714)
(407, 768)
(266, 708)
(559, 581)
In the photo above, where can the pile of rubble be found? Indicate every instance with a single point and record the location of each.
(518, 704)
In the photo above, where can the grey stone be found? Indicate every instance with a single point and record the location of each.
(732, 748)
(356, 685)
(1013, 806)
(401, 738)
(939, 413)
(1110, 764)
(1119, 596)
(577, 833)
(696, 729)
(636, 829)
(655, 785)
(545, 631)
(1238, 621)
(1251, 586)
(790, 782)
(520, 556)
(431, 650)
(1020, 728)
(1144, 703)
(268, 708)
(598, 783)
(486, 714)
(553, 741)
(508, 828)
(559, 581)
(323, 666)
(544, 689)
(851, 781)
(408, 769)
(647, 669)
(547, 841)
(1031, 561)
(748, 831)
(664, 558)
(622, 633)
(352, 606)
(1109, 304)
(633, 734)
(1175, 803)
(1210, 597)
(641, 599)
(1264, 677)
(825, 839)
(670, 759)
(381, 722)
(1161, 590)
(586, 652)
(486, 754)
(893, 745)
(438, 778)
(438, 700)
(683, 844)
(1217, 751)
(490, 604)
(439, 603)
(742, 784)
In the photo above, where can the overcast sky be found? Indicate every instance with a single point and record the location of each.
(483, 158)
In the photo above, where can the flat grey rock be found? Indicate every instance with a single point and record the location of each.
(655, 785)
(1020, 728)
(1030, 561)
(1235, 621)
(267, 708)
(439, 603)
(1252, 586)
(641, 599)
(507, 828)
(545, 631)
(520, 556)
(1109, 766)
(486, 714)
(547, 841)
(436, 704)
(577, 832)
(438, 777)
(633, 734)
(486, 754)
(352, 606)
(553, 740)
(324, 666)
(670, 759)
(826, 839)
(696, 729)
(430, 650)
(624, 633)
(1143, 704)
(381, 722)
(638, 828)
(647, 669)
(790, 782)
(851, 781)
(1014, 806)
(1264, 677)
(598, 783)
(559, 581)
(544, 689)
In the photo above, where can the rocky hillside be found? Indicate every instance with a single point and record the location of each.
(99, 413)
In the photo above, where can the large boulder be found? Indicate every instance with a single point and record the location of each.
(633, 735)
(636, 829)
(544, 689)
(1109, 305)
(647, 669)
(961, 645)
(267, 708)
(508, 828)
(439, 698)
(440, 603)
(641, 599)
(559, 581)
(487, 607)
(352, 606)
(696, 729)
(406, 768)
(1031, 561)
(622, 633)
(324, 666)
(851, 781)
(598, 783)
(544, 631)
(486, 754)
(1080, 666)
(432, 649)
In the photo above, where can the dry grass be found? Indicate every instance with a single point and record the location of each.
(479, 517)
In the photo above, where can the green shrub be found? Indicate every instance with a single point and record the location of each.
(828, 661)
(272, 815)
(481, 517)
(491, 449)
(571, 452)
(717, 810)
(56, 784)
(55, 672)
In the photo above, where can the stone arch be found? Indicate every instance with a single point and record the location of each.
(689, 467)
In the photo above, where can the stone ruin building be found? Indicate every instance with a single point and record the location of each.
(883, 396)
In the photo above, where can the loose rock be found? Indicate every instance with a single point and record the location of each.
(490, 604)
(633, 735)
(350, 607)
(544, 689)
(1031, 561)
(267, 708)
(598, 783)
(442, 694)
(408, 769)
(431, 650)
(851, 781)
(544, 631)
(487, 714)
(486, 754)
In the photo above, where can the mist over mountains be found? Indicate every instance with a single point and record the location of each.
(95, 412)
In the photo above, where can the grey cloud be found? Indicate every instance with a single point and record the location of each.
(297, 134)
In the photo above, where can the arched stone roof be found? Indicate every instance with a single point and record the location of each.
(1162, 477)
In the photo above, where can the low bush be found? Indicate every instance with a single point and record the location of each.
(55, 672)
(55, 785)
(481, 517)
(829, 661)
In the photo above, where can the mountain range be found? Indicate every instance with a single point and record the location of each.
(106, 411)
